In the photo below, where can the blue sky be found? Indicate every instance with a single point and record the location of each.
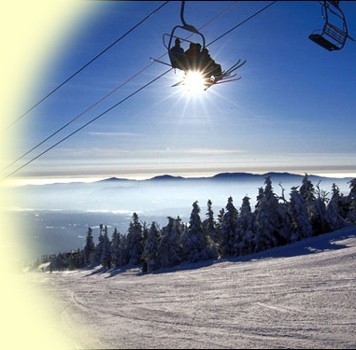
(293, 110)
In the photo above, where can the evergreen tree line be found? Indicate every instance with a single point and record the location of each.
(274, 222)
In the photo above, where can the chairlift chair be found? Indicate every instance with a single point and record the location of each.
(185, 27)
(187, 63)
(334, 33)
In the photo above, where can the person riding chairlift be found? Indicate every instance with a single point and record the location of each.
(194, 59)
(193, 56)
(177, 56)
(208, 66)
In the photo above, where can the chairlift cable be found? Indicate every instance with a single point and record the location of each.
(77, 116)
(87, 123)
(243, 22)
(86, 65)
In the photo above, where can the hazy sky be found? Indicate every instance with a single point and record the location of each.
(293, 110)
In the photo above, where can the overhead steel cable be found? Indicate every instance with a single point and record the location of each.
(108, 94)
(87, 123)
(243, 22)
(77, 117)
(86, 65)
(126, 98)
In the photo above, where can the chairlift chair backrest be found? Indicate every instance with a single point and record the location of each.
(187, 28)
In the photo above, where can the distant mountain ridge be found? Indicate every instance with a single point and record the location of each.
(287, 180)
(275, 176)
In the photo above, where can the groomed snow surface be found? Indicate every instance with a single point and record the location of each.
(299, 296)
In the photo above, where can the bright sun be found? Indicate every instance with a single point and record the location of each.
(194, 83)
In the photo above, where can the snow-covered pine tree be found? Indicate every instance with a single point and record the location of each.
(244, 235)
(351, 203)
(211, 232)
(301, 227)
(307, 190)
(318, 215)
(105, 258)
(99, 246)
(118, 249)
(75, 259)
(89, 248)
(145, 230)
(169, 249)
(267, 219)
(194, 242)
(209, 223)
(219, 226)
(135, 240)
(123, 251)
(259, 197)
(150, 249)
(115, 248)
(284, 226)
(334, 210)
(228, 229)
(315, 201)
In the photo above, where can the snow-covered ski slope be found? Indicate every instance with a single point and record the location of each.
(299, 296)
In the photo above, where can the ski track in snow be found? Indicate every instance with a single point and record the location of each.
(300, 301)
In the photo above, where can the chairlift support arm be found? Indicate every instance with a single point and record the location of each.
(185, 26)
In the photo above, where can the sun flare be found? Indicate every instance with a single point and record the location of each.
(194, 83)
